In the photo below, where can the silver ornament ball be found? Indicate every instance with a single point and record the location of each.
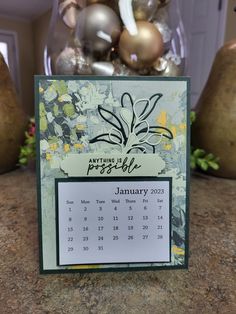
(98, 28)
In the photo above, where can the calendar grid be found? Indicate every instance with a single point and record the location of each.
(129, 224)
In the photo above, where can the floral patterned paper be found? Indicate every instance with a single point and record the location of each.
(113, 117)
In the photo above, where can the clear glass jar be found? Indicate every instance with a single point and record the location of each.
(116, 37)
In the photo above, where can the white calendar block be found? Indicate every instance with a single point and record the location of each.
(113, 220)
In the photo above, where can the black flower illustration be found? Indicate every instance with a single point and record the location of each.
(131, 131)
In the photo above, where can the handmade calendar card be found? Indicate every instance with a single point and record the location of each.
(113, 173)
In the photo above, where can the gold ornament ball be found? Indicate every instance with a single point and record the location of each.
(144, 10)
(142, 50)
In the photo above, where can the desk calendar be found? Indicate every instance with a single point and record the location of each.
(112, 167)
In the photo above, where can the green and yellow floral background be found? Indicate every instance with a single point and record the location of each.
(72, 112)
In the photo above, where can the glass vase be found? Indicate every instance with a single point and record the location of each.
(116, 37)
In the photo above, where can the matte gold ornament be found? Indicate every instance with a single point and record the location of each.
(72, 61)
(98, 28)
(144, 9)
(142, 50)
(69, 10)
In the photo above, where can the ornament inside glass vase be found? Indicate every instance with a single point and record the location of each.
(115, 37)
(69, 10)
(98, 28)
(142, 50)
(72, 61)
(144, 9)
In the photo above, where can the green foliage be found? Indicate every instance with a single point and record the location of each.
(28, 151)
(200, 159)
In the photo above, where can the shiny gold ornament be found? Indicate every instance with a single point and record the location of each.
(163, 3)
(142, 50)
(144, 9)
(72, 61)
(98, 28)
(69, 10)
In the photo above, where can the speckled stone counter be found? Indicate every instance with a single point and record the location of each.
(209, 286)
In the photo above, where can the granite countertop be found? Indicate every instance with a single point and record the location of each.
(209, 286)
